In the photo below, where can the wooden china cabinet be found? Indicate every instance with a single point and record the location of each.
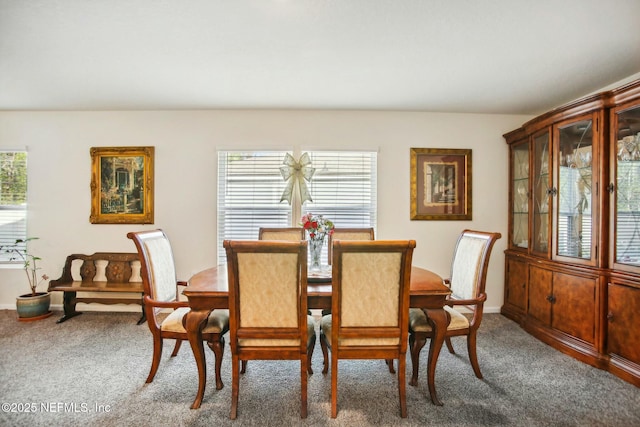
(572, 265)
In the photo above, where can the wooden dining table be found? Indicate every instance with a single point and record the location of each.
(209, 290)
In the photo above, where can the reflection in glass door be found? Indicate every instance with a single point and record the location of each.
(575, 199)
(520, 197)
(541, 193)
(627, 215)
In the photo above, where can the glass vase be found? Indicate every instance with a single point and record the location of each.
(315, 252)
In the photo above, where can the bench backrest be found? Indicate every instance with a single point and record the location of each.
(100, 267)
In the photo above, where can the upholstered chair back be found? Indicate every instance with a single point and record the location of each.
(290, 234)
(269, 294)
(371, 289)
(267, 289)
(349, 234)
(468, 265)
(158, 268)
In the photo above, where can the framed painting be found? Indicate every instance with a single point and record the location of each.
(440, 184)
(122, 185)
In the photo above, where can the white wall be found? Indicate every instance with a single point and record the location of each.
(185, 177)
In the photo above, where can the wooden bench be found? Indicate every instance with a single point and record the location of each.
(102, 272)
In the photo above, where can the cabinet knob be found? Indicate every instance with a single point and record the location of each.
(524, 284)
(610, 316)
(551, 299)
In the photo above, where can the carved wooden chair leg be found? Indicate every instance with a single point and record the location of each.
(325, 354)
(416, 342)
(402, 388)
(176, 348)
(217, 346)
(310, 348)
(157, 355)
(304, 372)
(473, 355)
(447, 340)
(235, 383)
(143, 318)
(389, 363)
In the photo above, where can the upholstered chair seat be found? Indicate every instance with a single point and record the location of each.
(418, 320)
(217, 322)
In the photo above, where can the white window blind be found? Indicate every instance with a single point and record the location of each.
(13, 198)
(249, 189)
(343, 188)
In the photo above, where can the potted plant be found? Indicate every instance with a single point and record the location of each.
(33, 305)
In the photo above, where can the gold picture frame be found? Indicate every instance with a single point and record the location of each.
(122, 185)
(440, 184)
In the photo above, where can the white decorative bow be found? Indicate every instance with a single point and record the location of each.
(297, 172)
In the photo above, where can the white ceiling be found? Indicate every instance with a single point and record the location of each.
(479, 56)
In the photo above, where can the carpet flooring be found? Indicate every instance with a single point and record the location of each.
(91, 370)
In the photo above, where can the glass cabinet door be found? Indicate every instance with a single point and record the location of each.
(626, 155)
(574, 220)
(520, 196)
(541, 193)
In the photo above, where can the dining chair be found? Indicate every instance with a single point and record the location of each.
(467, 282)
(161, 293)
(287, 234)
(291, 234)
(352, 233)
(274, 275)
(369, 307)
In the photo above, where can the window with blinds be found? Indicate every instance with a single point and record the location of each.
(249, 189)
(343, 188)
(13, 199)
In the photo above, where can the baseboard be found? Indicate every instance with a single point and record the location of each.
(133, 308)
(87, 307)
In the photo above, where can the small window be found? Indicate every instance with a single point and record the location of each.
(13, 198)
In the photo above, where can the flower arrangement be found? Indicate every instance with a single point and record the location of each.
(19, 251)
(316, 225)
